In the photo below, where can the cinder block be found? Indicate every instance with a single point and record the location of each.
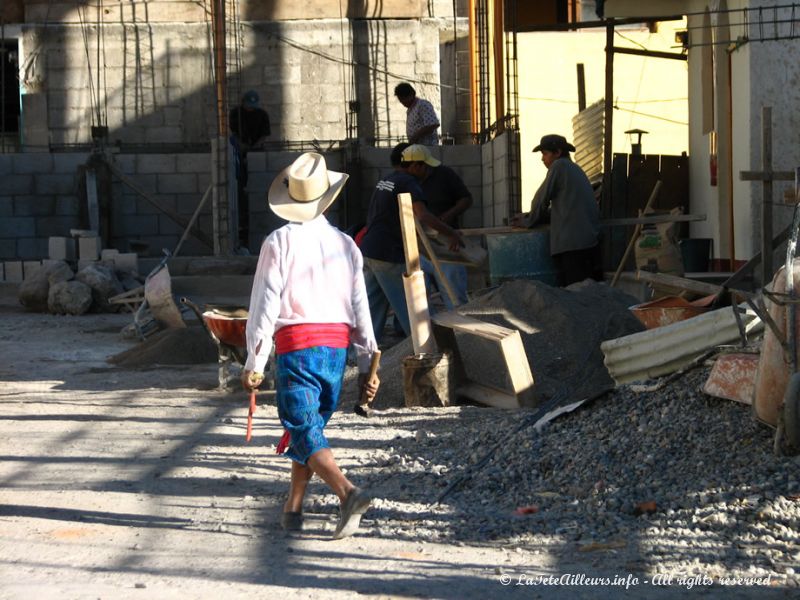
(127, 261)
(85, 262)
(89, 248)
(109, 254)
(13, 270)
(30, 267)
(49, 262)
(61, 248)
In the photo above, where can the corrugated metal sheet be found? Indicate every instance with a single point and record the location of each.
(657, 352)
(588, 128)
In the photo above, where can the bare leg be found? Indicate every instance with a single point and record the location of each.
(324, 465)
(301, 475)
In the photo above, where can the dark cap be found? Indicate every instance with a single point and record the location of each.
(554, 142)
(250, 99)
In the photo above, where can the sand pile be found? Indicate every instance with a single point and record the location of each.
(188, 346)
(561, 331)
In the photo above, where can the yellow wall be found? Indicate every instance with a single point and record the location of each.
(549, 91)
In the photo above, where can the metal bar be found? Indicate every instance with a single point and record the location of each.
(650, 53)
(609, 112)
(766, 200)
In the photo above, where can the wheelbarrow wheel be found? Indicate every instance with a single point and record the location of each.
(791, 414)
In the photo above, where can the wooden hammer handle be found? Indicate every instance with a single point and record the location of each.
(373, 370)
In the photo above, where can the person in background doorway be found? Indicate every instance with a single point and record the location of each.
(308, 292)
(382, 244)
(421, 119)
(249, 125)
(566, 200)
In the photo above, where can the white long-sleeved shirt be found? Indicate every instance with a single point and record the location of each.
(308, 273)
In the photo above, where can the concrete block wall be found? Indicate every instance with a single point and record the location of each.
(38, 199)
(35, 212)
(496, 179)
(156, 85)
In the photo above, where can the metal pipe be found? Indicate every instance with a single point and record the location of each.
(473, 89)
(218, 21)
(499, 70)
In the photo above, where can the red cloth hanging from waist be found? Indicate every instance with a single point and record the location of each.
(308, 335)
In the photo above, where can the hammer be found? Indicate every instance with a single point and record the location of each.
(362, 408)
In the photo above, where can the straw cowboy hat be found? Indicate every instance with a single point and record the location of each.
(304, 189)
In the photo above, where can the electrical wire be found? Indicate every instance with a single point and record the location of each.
(650, 116)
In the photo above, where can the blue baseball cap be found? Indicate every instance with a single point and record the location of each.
(250, 99)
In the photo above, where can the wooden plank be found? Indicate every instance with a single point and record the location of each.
(681, 283)
(510, 347)
(491, 230)
(409, 232)
(445, 281)
(487, 395)
(651, 220)
(466, 324)
(519, 370)
(766, 175)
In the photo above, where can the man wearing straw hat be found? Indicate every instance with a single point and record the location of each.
(309, 294)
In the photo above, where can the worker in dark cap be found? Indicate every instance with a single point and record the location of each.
(566, 201)
(249, 124)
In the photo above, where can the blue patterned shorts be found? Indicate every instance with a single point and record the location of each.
(309, 382)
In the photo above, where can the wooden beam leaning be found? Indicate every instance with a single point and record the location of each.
(168, 212)
(672, 282)
(748, 267)
(636, 232)
(414, 282)
(509, 346)
(448, 287)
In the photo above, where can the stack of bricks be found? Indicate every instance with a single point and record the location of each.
(81, 250)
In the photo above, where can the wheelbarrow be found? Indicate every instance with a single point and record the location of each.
(776, 400)
(226, 325)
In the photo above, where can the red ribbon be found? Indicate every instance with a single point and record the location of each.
(283, 444)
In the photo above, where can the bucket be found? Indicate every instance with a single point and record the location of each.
(666, 311)
(696, 254)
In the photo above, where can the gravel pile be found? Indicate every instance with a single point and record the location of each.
(686, 480)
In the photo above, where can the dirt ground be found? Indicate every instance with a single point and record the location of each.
(137, 483)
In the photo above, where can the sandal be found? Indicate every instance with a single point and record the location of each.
(355, 504)
(292, 521)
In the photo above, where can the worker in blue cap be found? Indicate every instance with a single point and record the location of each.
(249, 124)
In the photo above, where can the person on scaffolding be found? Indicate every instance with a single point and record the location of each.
(309, 294)
(249, 125)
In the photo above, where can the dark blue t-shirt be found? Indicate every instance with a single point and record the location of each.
(384, 237)
(443, 189)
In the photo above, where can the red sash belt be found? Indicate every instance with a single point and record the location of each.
(308, 335)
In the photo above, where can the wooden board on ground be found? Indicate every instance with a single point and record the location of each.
(500, 349)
